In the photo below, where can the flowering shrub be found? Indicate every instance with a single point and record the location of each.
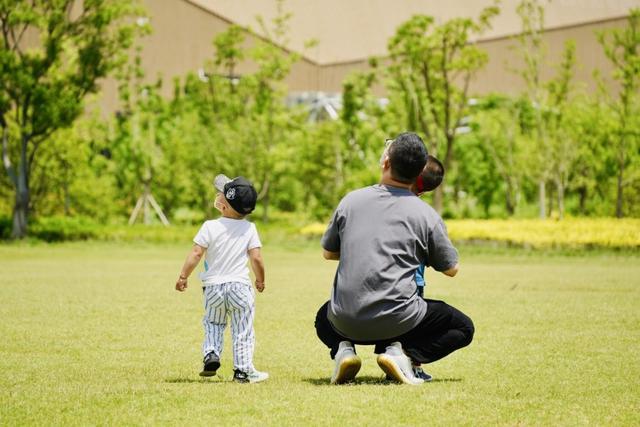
(571, 233)
(568, 233)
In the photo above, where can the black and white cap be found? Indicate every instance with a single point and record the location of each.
(239, 192)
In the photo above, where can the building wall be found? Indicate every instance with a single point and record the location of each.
(182, 37)
(497, 75)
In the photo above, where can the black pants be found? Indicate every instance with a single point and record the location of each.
(443, 330)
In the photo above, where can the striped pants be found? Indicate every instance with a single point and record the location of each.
(235, 300)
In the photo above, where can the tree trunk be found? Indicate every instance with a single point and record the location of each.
(542, 199)
(583, 199)
(437, 199)
(145, 199)
(560, 189)
(619, 196)
(21, 208)
(550, 202)
(509, 204)
(265, 207)
(510, 199)
(339, 169)
(67, 198)
(20, 211)
(438, 195)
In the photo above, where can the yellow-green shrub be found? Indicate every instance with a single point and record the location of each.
(568, 233)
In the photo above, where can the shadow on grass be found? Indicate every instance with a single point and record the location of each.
(446, 380)
(369, 380)
(201, 380)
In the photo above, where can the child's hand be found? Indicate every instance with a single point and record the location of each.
(259, 286)
(181, 284)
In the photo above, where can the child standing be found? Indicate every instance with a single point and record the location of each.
(227, 244)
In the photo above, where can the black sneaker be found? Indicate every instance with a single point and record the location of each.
(211, 364)
(419, 373)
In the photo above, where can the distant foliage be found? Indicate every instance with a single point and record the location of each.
(52, 53)
(59, 229)
(552, 147)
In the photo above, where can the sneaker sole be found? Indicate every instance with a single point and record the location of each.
(250, 381)
(347, 370)
(259, 380)
(210, 369)
(393, 370)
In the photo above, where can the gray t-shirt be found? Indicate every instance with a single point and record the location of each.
(383, 234)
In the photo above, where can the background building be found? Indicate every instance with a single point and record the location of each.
(348, 33)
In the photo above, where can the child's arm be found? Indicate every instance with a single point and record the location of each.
(257, 265)
(193, 258)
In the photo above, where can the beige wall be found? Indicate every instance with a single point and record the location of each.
(182, 36)
(496, 77)
(349, 30)
(182, 42)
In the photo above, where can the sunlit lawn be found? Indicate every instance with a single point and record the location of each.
(93, 333)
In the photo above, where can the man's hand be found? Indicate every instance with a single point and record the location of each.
(259, 286)
(452, 271)
(181, 284)
(335, 256)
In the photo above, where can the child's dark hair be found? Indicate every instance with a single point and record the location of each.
(431, 176)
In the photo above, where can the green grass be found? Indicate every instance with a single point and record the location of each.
(93, 333)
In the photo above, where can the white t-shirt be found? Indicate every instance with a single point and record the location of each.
(227, 241)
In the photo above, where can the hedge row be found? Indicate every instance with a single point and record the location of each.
(576, 233)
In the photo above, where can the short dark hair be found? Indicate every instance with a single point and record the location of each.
(432, 174)
(407, 156)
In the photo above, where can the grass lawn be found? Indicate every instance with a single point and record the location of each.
(93, 333)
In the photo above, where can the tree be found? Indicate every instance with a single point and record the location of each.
(561, 124)
(592, 170)
(554, 145)
(532, 48)
(72, 176)
(431, 69)
(52, 53)
(622, 48)
(246, 114)
(364, 128)
(271, 120)
(497, 126)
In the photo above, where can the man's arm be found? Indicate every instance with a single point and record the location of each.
(335, 256)
(257, 265)
(193, 258)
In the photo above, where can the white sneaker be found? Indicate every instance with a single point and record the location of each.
(251, 377)
(347, 364)
(397, 365)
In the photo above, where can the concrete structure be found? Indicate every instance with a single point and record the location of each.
(348, 32)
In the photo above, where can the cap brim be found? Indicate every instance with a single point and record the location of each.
(220, 181)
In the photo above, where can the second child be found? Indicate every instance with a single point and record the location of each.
(228, 243)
